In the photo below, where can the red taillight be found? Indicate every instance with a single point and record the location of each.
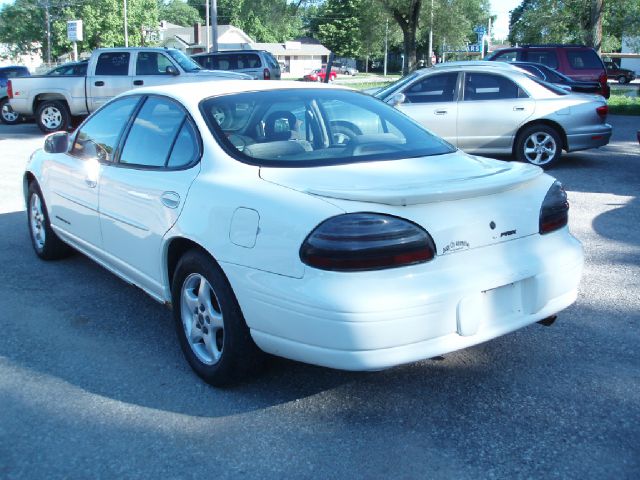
(366, 241)
(602, 111)
(554, 213)
(267, 74)
(9, 89)
(605, 91)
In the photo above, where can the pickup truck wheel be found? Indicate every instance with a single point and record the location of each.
(7, 115)
(52, 116)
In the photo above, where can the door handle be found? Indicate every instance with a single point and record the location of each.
(90, 183)
(440, 112)
(99, 83)
(518, 109)
(138, 82)
(170, 199)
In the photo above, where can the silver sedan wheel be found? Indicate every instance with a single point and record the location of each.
(540, 148)
(202, 319)
(36, 217)
(8, 114)
(51, 117)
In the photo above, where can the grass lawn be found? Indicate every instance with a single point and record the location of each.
(622, 105)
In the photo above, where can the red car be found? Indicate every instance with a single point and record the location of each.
(318, 75)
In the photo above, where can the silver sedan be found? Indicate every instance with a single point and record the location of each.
(485, 108)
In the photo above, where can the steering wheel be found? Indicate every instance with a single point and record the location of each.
(344, 132)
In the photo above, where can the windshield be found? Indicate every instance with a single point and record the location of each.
(389, 89)
(314, 127)
(187, 64)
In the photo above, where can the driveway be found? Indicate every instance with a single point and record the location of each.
(93, 385)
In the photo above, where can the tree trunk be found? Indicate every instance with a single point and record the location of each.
(596, 25)
(408, 22)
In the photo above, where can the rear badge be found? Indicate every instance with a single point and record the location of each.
(455, 246)
(508, 233)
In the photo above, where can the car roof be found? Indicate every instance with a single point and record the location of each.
(193, 96)
(475, 63)
(204, 54)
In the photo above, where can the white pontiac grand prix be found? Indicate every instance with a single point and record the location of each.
(307, 221)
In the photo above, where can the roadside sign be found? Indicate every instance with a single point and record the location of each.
(74, 30)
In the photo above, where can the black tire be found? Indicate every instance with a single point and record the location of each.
(622, 80)
(53, 116)
(7, 115)
(44, 240)
(539, 145)
(238, 356)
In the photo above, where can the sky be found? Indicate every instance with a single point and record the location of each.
(500, 8)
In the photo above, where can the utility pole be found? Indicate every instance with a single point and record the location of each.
(207, 18)
(48, 16)
(430, 62)
(126, 26)
(214, 25)
(386, 46)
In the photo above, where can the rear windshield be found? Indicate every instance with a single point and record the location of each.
(584, 60)
(313, 127)
(549, 86)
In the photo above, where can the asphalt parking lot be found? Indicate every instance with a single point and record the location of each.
(93, 384)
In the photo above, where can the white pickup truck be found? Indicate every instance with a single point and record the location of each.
(54, 100)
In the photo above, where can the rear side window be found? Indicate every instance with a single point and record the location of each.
(485, 86)
(584, 60)
(113, 63)
(156, 133)
(546, 57)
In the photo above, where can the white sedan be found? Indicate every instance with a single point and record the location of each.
(271, 224)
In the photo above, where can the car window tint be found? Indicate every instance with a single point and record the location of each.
(486, 86)
(433, 88)
(185, 148)
(113, 63)
(98, 137)
(248, 60)
(152, 134)
(315, 127)
(509, 56)
(152, 63)
(546, 57)
(584, 60)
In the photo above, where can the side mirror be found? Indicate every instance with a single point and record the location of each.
(171, 70)
(57, 142)
(396, 99)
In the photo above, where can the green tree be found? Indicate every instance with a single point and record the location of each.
(406, 13)
(178, 12)
(23, 27)
(339, 29)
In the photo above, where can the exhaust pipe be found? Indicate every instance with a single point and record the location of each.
(547, 322)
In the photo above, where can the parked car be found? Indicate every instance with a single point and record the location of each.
(345, 69)
(7, 115)
(70, 69)
(575, 61)
(110, 71)
(553, 76)
(622, 75)
(494, 107)
(235, 204)
(319, 74)
(259, 64)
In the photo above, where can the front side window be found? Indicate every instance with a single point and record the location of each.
(160, 136)
(486, 86)
(433, 88)
(152, 63)
(309, 127)
(98, 136)
(113, 63)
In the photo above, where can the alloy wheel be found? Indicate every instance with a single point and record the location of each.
(36, 218)
(51, 118)
(540, 148)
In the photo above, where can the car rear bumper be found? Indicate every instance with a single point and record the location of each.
(375, 320)
(595, 137)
